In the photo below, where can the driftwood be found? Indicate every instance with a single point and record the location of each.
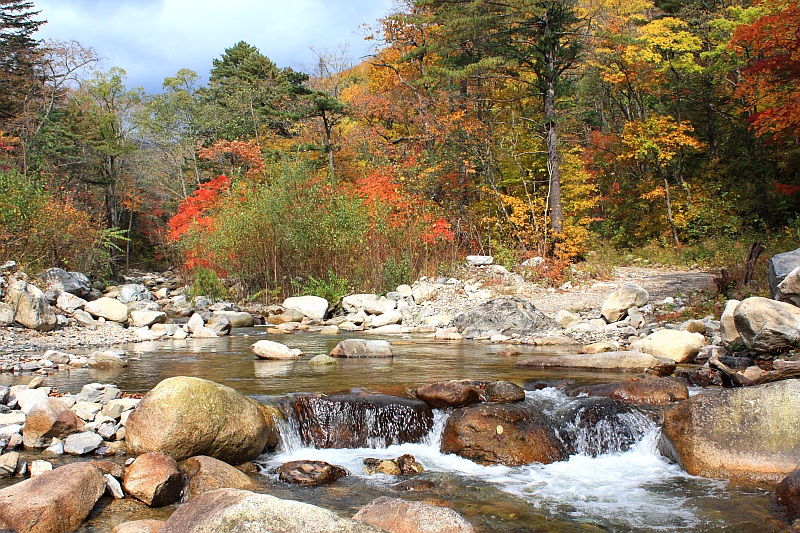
(726, 281)
(750, 264)
(730, 378)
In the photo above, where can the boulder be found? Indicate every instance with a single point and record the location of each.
(6, 315)
(145, 319)
(275, 350)
(204, 474)
(281, 315)
(748, 433)
(82, 443)
(787, 494)
(237, 319)
(30, 307)
(310, 473)
(154, 478)
(505, 316)
(313, 307)
(780, 266)
(618, 302)
(139, 526)
(358, 420)
(220, 325)
(395, 515)
(766, 325)
(789, 289)
(53, 502)
(107, 359)
(49, 418)
(195, 322)
(354, 303)
(727, 324)
(459, 393)
(233, 510)
(678, 345)
(70, 303)
(185, 416)
(658, 391)
(480, 260)
(362, 348)
(508, 434)
(55, 281)
(606, 361)
(566, 318)
(385, 319)
(133, 292)
(108, 308)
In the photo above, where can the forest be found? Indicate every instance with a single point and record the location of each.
(551, 129)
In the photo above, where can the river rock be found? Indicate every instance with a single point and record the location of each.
(787, 494)
(658, 391)
(359, 420)
(386, 319)
(139, 526)
(618, 302)
(505, 316)
(237, 319)
(788, 290)
(239, 511)
(508, 434)
(766, 325)
(108, 308)
(6, 315)
(321, 360)
(275, 350)
(362, 348)
(608, 361)
(281, 315)
(566, 318)
(70, 303)
(678, 345)
(395, 515)
(107, 359)
(55, 281)
(195, 321)
(185, 416)
(53, 502)
(368, 303)
(750, 433)
(220, 325)
(30, 306)
(449, 394)
(780, 266)
(47, 419)
(204, 474)
(153, 478)
(82, 443)
(313, 307)
(133, 292)
(727, 324)
(145, 319)
(101, 393)
(310, 473)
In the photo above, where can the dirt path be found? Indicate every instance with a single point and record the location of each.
(659, 282)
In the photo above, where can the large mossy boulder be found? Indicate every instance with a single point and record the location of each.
(241, 511)
(52, 502)
(750, 433)
(184, 416)
(507, 434)
(766, 325)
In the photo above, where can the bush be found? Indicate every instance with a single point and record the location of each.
(332, 289)
(206, 283)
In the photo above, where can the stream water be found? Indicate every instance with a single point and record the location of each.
(631, 490)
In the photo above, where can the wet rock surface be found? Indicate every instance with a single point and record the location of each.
(310, 473)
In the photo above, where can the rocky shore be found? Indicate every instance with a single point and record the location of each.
(193, 441)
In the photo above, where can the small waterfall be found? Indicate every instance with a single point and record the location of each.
(434, 436)
(289, 434)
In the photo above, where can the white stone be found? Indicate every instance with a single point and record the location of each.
(618, 302)
(87, 411)
(145, 319)
(113, 487)
(275, 350)
(69, 302)
(678, 345)
(566, 318)
(391, 317)
(313, 307)
(82, 443)
(39, 467)
(480, 260)
(115, 408)
(202, 332)
(196, 321)
(14, 417)
(108, 308)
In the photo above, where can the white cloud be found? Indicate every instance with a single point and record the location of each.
(152, 39)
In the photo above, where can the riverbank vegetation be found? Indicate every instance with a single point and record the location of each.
(568, 130)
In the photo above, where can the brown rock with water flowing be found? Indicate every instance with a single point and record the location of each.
(460, 393)
(508, 434)
(395, 515)
(204, 474)
(48, 418)
(52, 502)
(748, 433)
(240, 511)
(787, 494)
(310, 473)
(185, 416)
(358, 420)
(607, 361)
(644, 391)
(154, 479)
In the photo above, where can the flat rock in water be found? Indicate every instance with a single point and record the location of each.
(397, 515)
(787, 494)
(310, 473)
(642, 391)
(607, 361)
(275, 350)
(232, 510)
(362, 348)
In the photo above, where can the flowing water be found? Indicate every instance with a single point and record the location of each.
(616, 480)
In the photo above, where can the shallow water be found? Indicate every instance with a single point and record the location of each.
(635, 490)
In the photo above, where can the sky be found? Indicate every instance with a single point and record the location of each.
(153, 39)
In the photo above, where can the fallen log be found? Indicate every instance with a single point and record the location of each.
(731, 378)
